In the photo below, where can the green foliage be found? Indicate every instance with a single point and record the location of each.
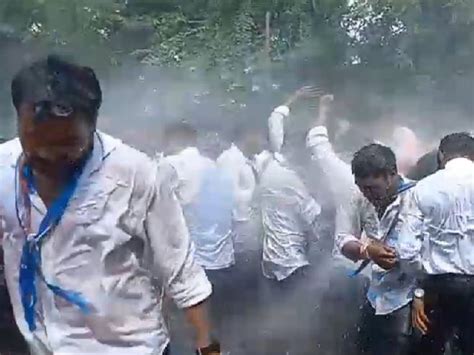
(386, 42)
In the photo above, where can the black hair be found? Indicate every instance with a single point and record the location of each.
(428, 164)
(181, 128)
(457, 144)
(374, 160)
(55, 81)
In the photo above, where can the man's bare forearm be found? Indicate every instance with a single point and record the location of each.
(198, 317)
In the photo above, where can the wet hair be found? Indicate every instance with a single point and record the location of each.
(457, 145)
(428, 164)
(54, 82)
(181, 128)
(211, 145)
(182, 133)
(242, 130)
(374, 160)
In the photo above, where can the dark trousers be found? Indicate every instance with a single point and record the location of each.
(449, 304)
(389, 334)
(222, 302)
(286, 315)
(11, 340)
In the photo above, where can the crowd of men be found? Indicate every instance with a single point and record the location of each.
(99, 238)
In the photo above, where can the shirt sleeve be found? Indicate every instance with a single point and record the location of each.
(276, 127)
(348, 222)
(337, 172)
(411, 237)
(172, 251)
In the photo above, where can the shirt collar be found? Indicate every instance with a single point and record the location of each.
(104, 145)
(458, 163)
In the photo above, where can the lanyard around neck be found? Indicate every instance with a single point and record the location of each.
(30, 265)
(404, 186)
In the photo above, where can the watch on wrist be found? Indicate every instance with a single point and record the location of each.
(214, 347)
(419, 293)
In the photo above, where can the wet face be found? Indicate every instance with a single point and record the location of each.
(377, 189)
(53, 146)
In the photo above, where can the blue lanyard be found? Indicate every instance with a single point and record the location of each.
(404, 186)
(30, 264)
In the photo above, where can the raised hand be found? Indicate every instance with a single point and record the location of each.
(305, 92)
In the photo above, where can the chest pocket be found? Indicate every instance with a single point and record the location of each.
(91, 206)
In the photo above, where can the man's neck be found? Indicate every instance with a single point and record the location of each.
(49, 187)
(391, 196)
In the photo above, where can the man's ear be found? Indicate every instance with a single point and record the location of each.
(440, 159)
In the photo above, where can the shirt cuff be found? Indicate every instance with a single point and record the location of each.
(282, 110)
(317, 135)
(199, 289)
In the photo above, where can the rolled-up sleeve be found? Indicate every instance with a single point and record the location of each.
(348, 222)
(172, 250)
(276, 127)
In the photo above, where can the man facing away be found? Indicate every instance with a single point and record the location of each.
(92, 231)
(206, 195)
(379, 211)
(289, 216)
(437, 244)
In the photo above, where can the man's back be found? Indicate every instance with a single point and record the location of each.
(446, 200)
(206, 194)
(288, 214)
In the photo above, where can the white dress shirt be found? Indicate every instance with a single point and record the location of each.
(289, 216)
(389, 290)
(338, 179)
(438, 234)
(337, 172)
(211, 233)
(121, 242)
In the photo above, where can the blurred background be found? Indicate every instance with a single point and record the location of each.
(217, 62)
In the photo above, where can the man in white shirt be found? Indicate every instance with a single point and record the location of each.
(206, 195)
(92, 231)
(437, 244)
(214, 246)
(289, 217)
(245, 226)
(289, 212)
(369, 209)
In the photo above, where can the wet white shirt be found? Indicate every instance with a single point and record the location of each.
(337, 176)
(289, 215)
(356, 219)
(236, 165)
(214, 247)
(438, 234)
(120, 243)
(389, 290)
